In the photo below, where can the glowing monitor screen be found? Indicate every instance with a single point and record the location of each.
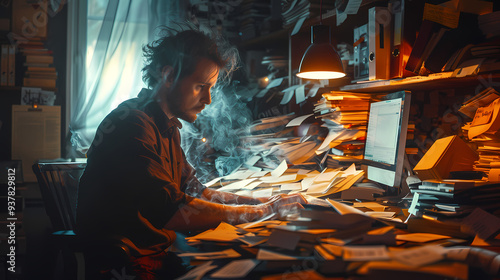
(386, 138)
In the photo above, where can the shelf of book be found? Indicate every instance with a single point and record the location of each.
(421, 83)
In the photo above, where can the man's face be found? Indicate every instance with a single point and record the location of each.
(192, 93)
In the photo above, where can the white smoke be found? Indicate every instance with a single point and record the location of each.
(212, 142)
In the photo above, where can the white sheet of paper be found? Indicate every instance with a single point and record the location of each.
(229, 253)
(276, 180)
(312, 92)
(236, 269)
(224, 233)
(482, 223)
(413, 206)
(326, 176)
(370, 205)
(291, 187)
(350, 170)
(280, 169)
(298, 25)
(420, 237)
(263, 193)
(365, 253)
(419, 256)
(252, 185)
(274, 83)
(252, 160)
(298, 121)
(352, 7)
(329, 138)
(300, 94)
(239, 175)
(265, 255)
(287, 96)
(198, 272)
(259, 174)
(237, 185)
(212, 182)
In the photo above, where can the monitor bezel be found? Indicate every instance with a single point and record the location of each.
(397, 168)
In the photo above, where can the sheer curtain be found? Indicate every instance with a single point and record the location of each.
(110, 47)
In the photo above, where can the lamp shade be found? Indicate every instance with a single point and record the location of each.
(321, 61)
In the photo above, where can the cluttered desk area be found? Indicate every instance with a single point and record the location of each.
(370, 215)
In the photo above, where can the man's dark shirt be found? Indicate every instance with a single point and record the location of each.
(135, 179)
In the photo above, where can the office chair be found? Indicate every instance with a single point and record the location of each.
(58, 182)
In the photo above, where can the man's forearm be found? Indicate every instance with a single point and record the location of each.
(199, 214)
(227, 198)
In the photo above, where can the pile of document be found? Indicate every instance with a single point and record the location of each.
(345, 115)
(484, 108)
(453, 199)
(284, 180)
(336, 240)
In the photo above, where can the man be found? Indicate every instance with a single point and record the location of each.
(138, 188)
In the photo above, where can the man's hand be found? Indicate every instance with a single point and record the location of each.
(284, 205)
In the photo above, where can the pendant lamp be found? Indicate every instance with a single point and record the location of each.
(321, 61)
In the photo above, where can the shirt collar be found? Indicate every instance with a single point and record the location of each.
(164, 124)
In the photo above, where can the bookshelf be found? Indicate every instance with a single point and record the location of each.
(420, 83)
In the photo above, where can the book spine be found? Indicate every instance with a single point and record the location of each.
(4, 66)
(11, 77)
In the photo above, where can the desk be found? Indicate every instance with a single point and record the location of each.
(377, 251)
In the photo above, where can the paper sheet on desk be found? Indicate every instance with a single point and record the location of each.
(235, 269)
(223, 233)
(229, 253)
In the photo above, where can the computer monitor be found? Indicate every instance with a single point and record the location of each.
(386, 138)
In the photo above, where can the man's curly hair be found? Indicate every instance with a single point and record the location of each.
(182, 48)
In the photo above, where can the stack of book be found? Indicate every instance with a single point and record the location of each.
(490, 24)
(40, 71)
(253, 13)
(346, 116)
(483, 131)
(454, 199)
(293, 11)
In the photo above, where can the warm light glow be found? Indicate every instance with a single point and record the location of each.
(266, 79)
(320, 75)
(203, 139)
(35, 106)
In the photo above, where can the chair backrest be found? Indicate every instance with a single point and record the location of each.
(58, 182)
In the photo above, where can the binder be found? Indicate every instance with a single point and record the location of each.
(399, 49)
(11, 76)
(379, 36)
(361, 53)
(4, 65)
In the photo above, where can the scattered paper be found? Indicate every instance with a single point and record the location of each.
(263, 193)
(291, 187)
(300, 94)
(420, 256)
(365, 253)
(266, 255)
(420, 237)
(280, 169)
(212, 182)
(370, 205)
(235, 269)
(237, 185)
(298, 121)
(198, 272)
(229, 253)
(482, 223)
